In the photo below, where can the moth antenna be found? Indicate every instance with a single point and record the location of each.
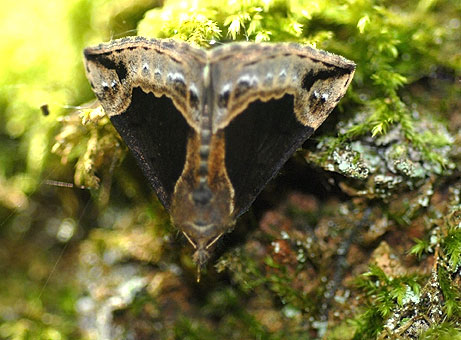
(190, 241)
(62, 184)
(122, 34)
(214, 241)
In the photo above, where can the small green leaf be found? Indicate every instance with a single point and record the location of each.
(420, 247)
(363, 23)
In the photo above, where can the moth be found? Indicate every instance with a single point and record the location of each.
(209, 128)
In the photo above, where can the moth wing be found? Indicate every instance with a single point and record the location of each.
(148, 88)
(268, 99)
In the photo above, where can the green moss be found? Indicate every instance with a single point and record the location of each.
(452, 247)
(444, 331)
(383, 294)
(394, 310)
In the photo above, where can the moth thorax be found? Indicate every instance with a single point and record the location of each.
(202, 195)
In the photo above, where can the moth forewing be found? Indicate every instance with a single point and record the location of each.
(243, 73)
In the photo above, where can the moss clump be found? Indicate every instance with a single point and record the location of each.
(398, 308)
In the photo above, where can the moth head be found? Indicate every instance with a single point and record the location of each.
(202, 249)
(202, 253)
(202, 237)
(203, 214)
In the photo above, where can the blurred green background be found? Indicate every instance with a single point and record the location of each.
(41, 224)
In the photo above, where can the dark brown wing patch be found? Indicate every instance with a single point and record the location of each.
(156, 133)
(258, 142)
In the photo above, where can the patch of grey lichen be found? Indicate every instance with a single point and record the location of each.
(377, 167)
